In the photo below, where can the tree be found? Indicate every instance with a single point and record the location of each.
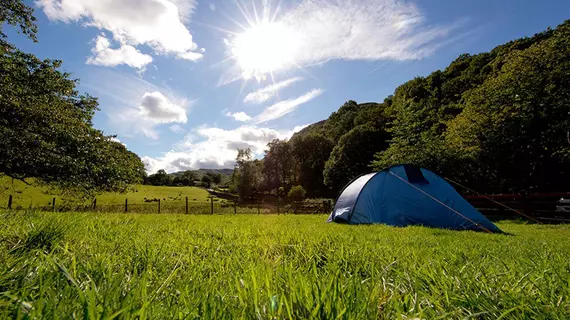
(46, 130)
(246, 178)
(187, 178)
(520, 117)
(310, 153)
(278, 165)
(352, 155)
(207, 180)
(297, 193)
(16, 13)
(341, 121)
(177, 181)
(214, 177)
(160, 178)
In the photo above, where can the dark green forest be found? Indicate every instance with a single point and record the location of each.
(497, 122)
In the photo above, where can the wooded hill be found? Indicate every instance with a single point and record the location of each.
(495, 121)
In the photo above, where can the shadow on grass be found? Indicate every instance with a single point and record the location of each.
(41, 235)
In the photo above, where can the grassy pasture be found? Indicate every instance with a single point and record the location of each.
(275, 267)
(24, 195)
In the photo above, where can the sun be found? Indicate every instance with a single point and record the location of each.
(264, 48)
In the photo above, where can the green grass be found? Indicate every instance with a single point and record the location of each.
(66, 265)
(25, 196)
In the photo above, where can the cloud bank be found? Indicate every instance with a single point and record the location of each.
(156, 23)
(217, 148)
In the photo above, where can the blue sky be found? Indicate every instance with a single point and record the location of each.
(184, 83)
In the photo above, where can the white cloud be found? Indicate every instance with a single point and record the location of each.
(284, 107)
(155, 106)
(156, 23)
(270, 91)
(176, 128)
(154, 109)
(217, 148)
(185, 9)
(316, 31)
(122, 106)
(239, 116)
(104, 55)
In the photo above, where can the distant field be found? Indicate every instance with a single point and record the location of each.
(24, 195)
(275, 267)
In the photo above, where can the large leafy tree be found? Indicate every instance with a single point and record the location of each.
(310, 153)
(160, 178)
(278, 165)
(46, 130)
(247, 177)
(351, 156)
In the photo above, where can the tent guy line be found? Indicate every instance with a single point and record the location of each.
(443, 204)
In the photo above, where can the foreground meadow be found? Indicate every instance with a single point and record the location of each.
(66, 265)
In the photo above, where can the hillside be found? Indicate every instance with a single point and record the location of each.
(25, 196)
(496, 121)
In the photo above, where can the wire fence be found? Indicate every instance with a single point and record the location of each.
(186, 206)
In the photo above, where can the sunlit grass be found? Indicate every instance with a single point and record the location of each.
(275, 267)
(26, 196)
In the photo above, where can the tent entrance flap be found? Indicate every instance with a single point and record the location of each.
(414, 174)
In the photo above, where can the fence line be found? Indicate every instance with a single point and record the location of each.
(213, 206)
(545, 207)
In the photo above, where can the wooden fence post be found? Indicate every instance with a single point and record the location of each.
(158, 205)
(527, 209)
(94, 204)
(212, 205)
(126, 205)
(235, 206)
(53, 204)
(10, 202)
(186, 205)
(277, 206)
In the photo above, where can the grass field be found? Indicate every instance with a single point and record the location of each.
(25, 196)
(275, 267)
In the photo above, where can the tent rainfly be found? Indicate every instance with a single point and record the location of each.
(404, 195)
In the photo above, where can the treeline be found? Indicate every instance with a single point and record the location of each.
(187, 178)
(496, 122)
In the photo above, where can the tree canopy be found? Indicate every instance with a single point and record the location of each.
(46, 129)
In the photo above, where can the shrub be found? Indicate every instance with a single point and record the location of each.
(297, 193)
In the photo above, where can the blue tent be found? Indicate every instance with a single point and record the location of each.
(405, 195)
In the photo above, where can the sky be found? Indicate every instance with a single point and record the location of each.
(185, 83)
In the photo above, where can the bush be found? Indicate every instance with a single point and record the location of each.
(297, 193)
